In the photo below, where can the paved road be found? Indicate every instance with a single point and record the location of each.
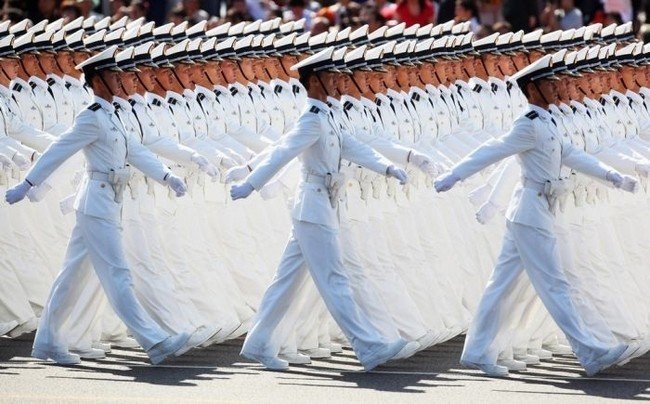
(218, 374)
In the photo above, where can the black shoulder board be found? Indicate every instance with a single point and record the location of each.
(494, 87)
(277, 89)
(295, 89)
(32, 84)
(171, 101)
(17, 87)
(347, 105)
(68, 85)
(51, 81)
(477, 88)
(94, 107)
(378, 102)
(217, 93)
(200, 96)
(132, 102)
(532, 115)
(233, 90)
(415, 96)
(314, 109)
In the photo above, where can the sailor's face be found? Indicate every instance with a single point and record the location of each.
(113, 80)
(11, 67)
(228, 69)
(129, 82)
(246, 66)
(66, 61)
(549, 90)
(360, 78)
(519, 61)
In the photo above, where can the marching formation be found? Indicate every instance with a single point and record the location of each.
(159, 256)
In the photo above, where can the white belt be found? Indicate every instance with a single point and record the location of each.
(97, 176)
(314, 179)
(534, 185)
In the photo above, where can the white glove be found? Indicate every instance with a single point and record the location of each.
(21, 161)
(398, 174)
(271, 190)
(17, 193)
(237, 174)
(445, 182)
(479, 195)
(423, 163)
(486, 212)
(206, 167)
(241, 191)
(36, 194)
(624, 182)
(643, 169)
(227, 162)
(176, 184)
(5, 162)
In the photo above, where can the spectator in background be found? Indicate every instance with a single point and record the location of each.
(194, 12)
(177, 15)
(337, 13)
(501, 27)
(87, 8)
(520, 14)
(467, 10)
(486, 30)
(384, 7)
(446, 11)
(45, 9)
(371, 15)
(612, 18)
(297, 9)
(238, 12)
(569, 16)
(414, 12)
(137, 9)
(13, 11)
(70, 11)
(320, 25)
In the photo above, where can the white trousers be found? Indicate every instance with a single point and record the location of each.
(534, 251)
(99, 241)
(312, 250)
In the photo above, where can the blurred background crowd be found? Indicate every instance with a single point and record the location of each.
(486, 16)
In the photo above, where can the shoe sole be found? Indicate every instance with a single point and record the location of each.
(42, 355)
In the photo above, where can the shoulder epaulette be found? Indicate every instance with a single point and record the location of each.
(51, 81)
(94, 107)
(532, 115)
(314, 109)
(17, 87)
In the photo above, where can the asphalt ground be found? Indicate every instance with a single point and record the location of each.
(219, 374)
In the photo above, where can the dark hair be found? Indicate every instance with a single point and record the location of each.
(89, 75)
(304, 78)
(296, 3)
(469, 5)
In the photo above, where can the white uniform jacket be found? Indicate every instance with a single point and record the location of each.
(321, 145)
(540, 151)
(106, 146)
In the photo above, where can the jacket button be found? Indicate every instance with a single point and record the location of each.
(103, 185)
(539, 194)
(318, 189)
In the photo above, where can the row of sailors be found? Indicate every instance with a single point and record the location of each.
(415, 97)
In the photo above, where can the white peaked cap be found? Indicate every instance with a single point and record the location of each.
(378, 33)
(121, 23)
(237, 29)
(219, 31)
(253, 27)
(19, 27)
(104, 59)
(197, 28)
(424, 31)
(320, 57)
(104, 23)
(226, 43)
(299, 25)
(135, 23)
